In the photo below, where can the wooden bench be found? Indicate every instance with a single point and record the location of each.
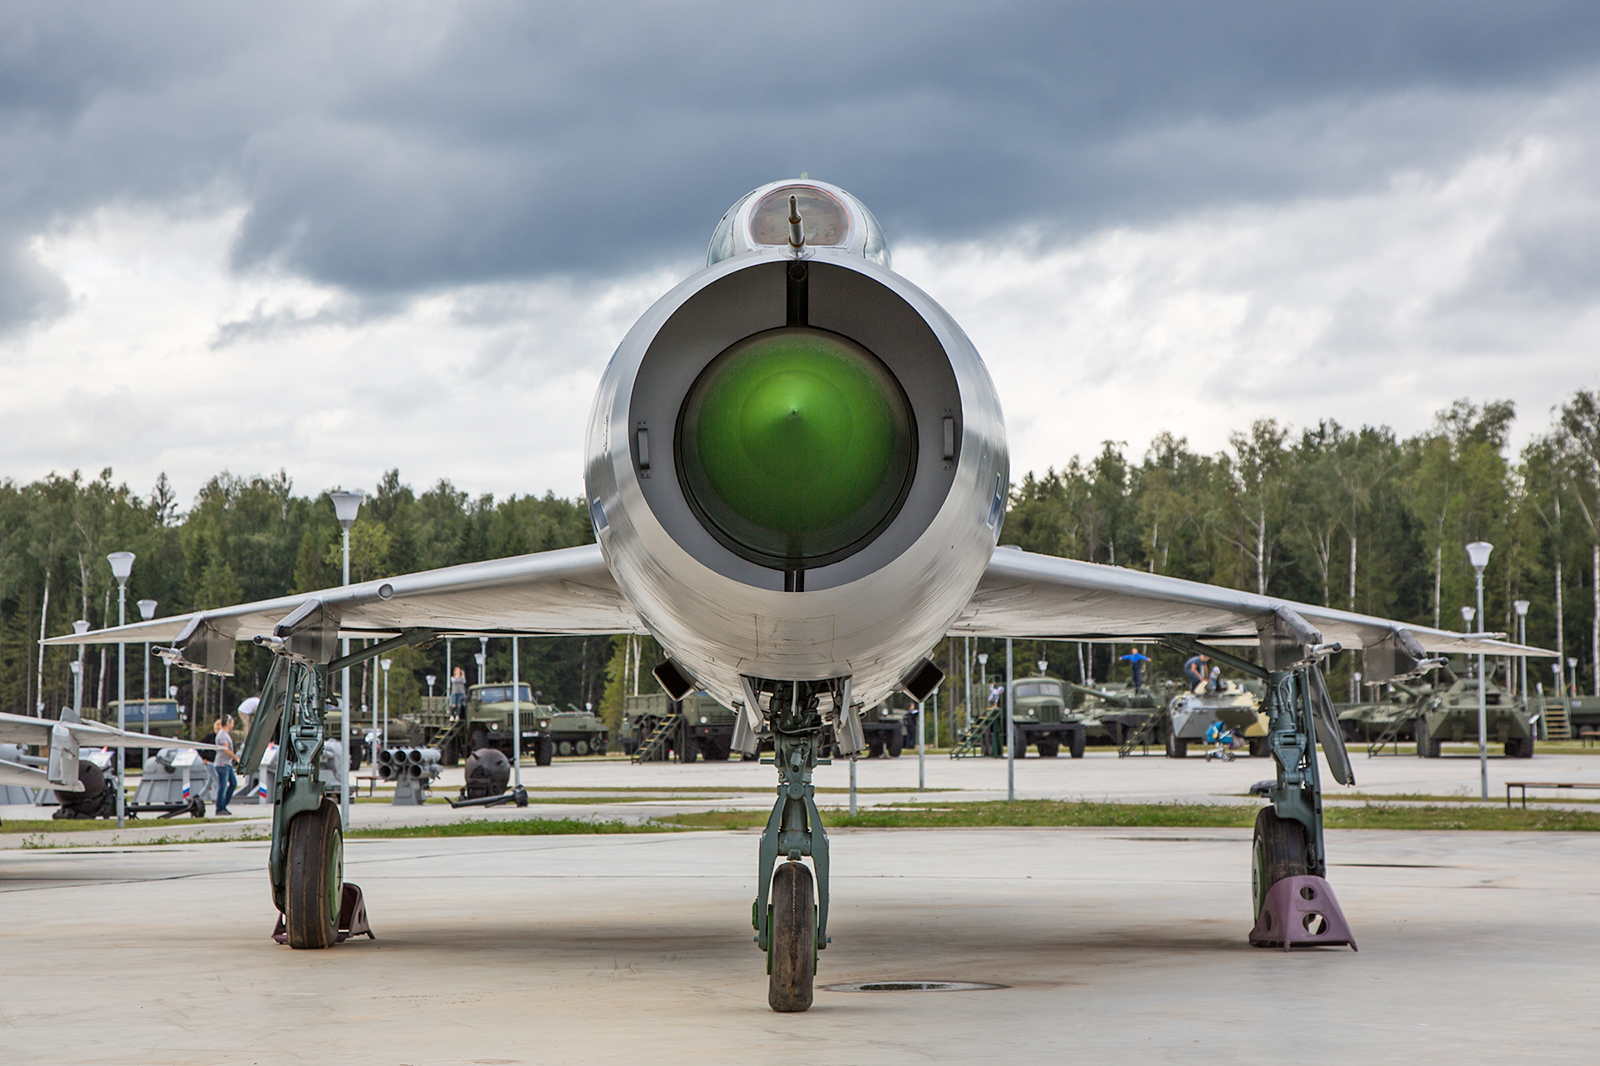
(1525, 785)
(372, 783)
(1588, 736)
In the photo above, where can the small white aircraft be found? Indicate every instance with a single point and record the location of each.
(796, 471)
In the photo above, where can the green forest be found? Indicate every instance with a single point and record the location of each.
(1359, 519)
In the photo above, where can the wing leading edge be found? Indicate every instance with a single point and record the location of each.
(569, 591)
(1023, 594)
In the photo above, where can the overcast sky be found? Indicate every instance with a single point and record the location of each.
(336, 237)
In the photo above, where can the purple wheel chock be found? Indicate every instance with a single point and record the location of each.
(1301, 912)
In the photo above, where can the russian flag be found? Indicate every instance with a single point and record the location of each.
(261, 790)
(186, 790)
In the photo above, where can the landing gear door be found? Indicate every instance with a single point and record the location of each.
(1327, 725)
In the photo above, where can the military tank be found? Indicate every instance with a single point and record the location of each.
(1449, 715)
(1114, 712)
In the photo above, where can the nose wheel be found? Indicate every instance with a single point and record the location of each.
(792, 954)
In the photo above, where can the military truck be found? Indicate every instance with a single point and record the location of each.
(165, 719)
(1040, 717)
(655, 728)
(487, 724)
(1449, 715)
(888, 729)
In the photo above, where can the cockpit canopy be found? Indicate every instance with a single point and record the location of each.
(831, 218)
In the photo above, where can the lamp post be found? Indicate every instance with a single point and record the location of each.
(79, 627)
(1011, 764)
(1572, 677)
(483, 658)
(147, 611)
(1478, 554)
(1043, 665)
(516, 714)
(121, 569)
(346, 505)
(1521, 607)
(385, 664)
(430, 678)
(1467, 615)
(480, 657)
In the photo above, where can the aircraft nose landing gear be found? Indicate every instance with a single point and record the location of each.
(791, 926)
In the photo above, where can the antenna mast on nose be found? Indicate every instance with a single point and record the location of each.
(797, 239)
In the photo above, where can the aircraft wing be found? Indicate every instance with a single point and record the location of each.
(567, 591)
(21, 729)
(1023, 594)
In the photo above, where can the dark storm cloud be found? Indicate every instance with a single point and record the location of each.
(394, 148)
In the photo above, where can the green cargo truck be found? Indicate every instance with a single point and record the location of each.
(655, 729)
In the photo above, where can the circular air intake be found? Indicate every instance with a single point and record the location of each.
(796, 447)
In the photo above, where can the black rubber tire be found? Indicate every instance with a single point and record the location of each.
(875, 748)
(1520, 748)
(794, 940)
(895, 744)
(545, 752)
(1049, 749)
(1259, 748)
(1019, 744)
(1278, 850)
(1080, 737)
(1427, 747)
(314, 887)
(1177, 749)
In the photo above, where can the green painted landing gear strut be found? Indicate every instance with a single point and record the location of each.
(792, 926)
(306, 861)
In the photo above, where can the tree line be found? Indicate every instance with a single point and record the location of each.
(1359, 519)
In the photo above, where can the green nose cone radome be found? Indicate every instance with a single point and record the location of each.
(795, 445)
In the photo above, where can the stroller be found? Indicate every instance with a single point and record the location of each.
(1223, 742)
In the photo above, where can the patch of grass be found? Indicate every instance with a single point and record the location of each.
(515, 827)
(86, 825)
(1052, 813)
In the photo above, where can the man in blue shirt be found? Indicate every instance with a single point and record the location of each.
(1137, 659)
(1195, 671)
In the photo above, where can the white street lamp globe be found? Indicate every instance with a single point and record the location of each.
(147, 609)
(1042, 664)
(431, 678)
(385, 664)
(983, 658)
(121, 565)
(1467, 613)
(1522, 607)
(345, 507)
(80, 627)
(1478, 553)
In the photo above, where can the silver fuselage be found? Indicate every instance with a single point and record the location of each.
(870, 617)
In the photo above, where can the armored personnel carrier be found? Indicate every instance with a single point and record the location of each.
(1390, 717)
(1191, 714)
(1449, 715)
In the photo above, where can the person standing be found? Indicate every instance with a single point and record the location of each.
(223, 760)
(1137, 659)
(458, 694)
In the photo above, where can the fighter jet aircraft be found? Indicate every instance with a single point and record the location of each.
(796, 472)
(64, 737)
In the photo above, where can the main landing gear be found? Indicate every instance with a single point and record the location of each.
(317, 907)
(790, 914)
(1292, 903)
